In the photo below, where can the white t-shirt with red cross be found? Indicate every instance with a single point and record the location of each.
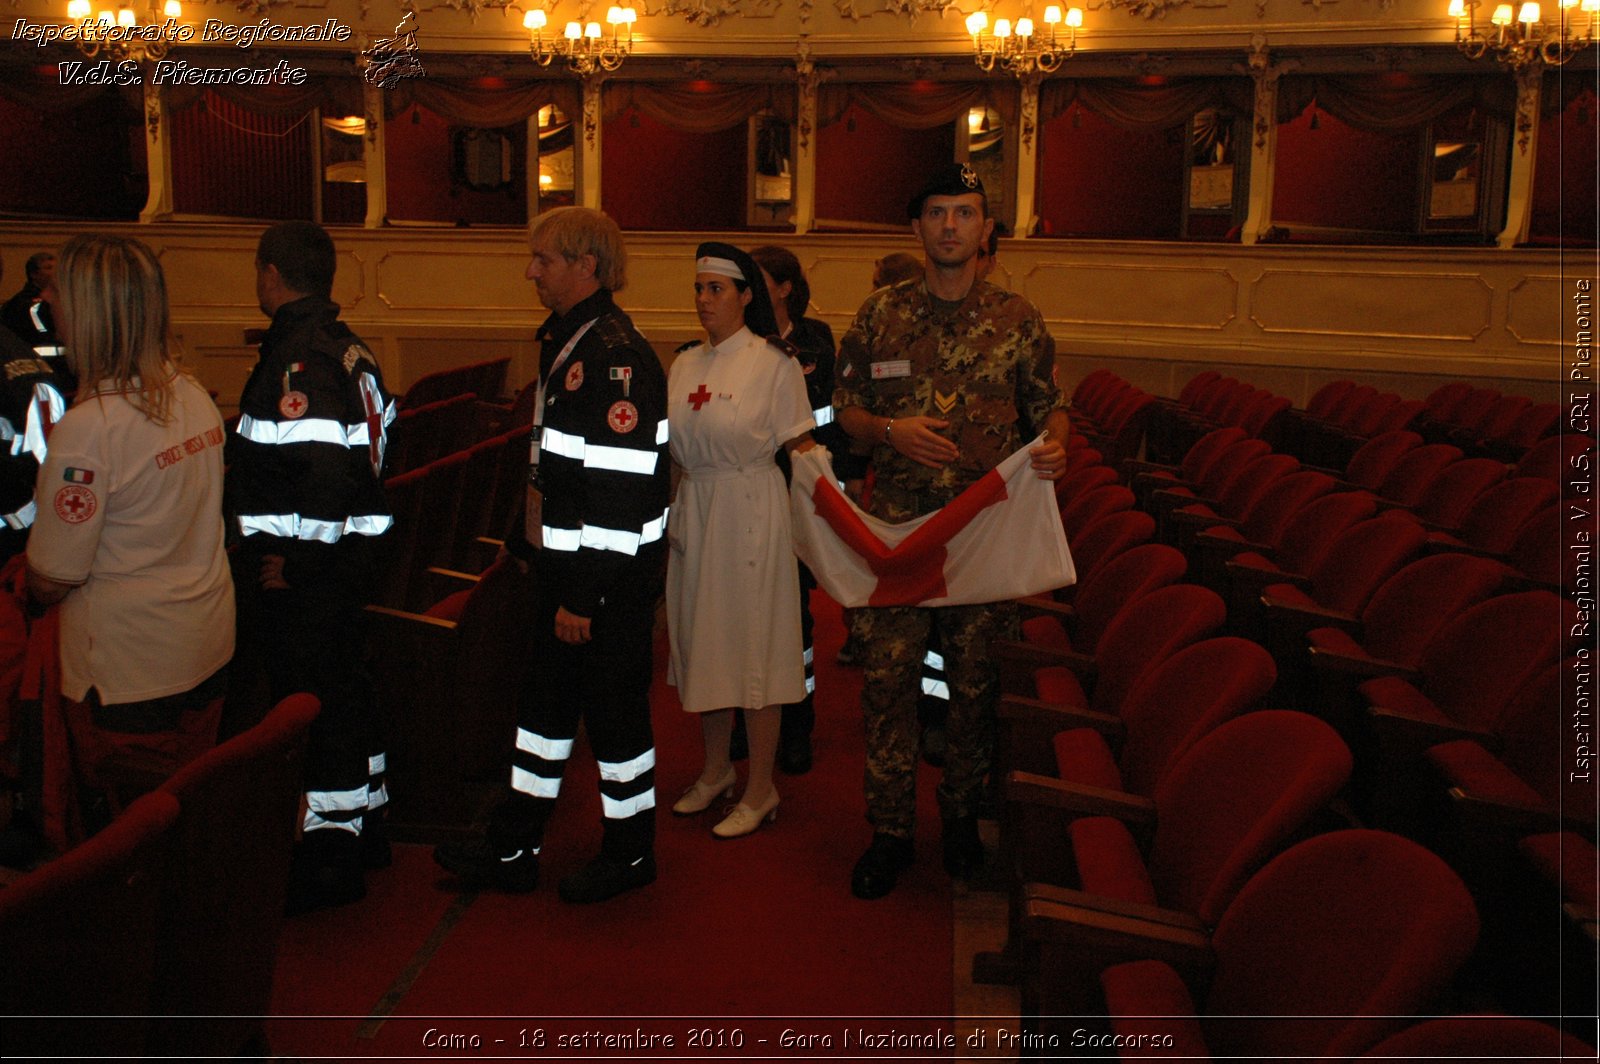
(130, 511)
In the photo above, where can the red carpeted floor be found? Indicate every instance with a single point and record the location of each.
(763, 926)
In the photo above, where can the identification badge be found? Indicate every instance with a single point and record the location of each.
(900, 367)
(533, 518)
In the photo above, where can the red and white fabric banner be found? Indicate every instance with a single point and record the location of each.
(1000, 539)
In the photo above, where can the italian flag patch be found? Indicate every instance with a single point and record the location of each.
(78, 476)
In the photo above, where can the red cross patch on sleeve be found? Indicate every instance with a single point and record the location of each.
(623, 416)
(75, 504)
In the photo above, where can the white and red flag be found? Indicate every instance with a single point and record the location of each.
(1000, 539)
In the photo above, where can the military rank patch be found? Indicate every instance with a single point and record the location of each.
(575, 377)
(945, 403)
(623, 416)
(75, 504)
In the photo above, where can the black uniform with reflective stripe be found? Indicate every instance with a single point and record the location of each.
(614, 369)
(320, 483)
(22, 371)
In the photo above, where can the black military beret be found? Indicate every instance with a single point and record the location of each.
(952, 179)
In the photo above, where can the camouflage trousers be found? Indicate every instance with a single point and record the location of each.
(894, 640)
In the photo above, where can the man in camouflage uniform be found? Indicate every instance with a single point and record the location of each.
(944, 375)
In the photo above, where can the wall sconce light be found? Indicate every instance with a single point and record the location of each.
(123, 36)
(585, 47)
(1517, 39)
(1017, 49)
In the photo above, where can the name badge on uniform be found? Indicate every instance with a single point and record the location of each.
(900, 367)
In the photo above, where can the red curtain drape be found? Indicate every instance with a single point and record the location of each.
(482, 106)
(917, 104)
(336, 95)
(1395, 103)
(1141, 105)
(699, 106)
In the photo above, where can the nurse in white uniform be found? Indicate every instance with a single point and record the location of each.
(733, 594)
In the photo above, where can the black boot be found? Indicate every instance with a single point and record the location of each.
(326, 871)
(878, 870)
(606, 877)
(794, 737)
(481, 863)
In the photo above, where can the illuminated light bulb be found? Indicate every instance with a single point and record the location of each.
(105, 20)
(1075, 17)
(1024, 27)
(1052, 15)
(1002, 28)
(173, 9)
(613, 15)
(977, 22)
(1502, 15)
(1457, 8)
(592, 31)
(126, 19)
(1528, 14)
(534, 20)
(78, 10)
(974, 121)
(629, 16)
(573, 31)
(1590, 6)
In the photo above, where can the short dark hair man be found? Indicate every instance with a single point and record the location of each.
(305, 494)
(945, 377)
(594, 535)
(26, 313)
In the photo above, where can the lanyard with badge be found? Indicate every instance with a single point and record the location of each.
(533, 519)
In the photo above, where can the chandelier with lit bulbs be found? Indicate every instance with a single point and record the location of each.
(1520, 38)
(586, 48)
(124, 35)
(1016, 49)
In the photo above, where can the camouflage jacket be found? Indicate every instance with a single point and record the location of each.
(987, 369)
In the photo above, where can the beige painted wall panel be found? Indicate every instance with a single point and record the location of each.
(1428, 306)
(1139, 294)
(1541, 310)
(491, 278)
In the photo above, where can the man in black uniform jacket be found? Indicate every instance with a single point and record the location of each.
(305, 493)
(32, 398)
(26, 313)
(594, 536)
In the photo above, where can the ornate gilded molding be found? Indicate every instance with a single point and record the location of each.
(1144, 63)
(910, 9)
(1028, 118)
(699, 68)
(808, 80)
(919, 69)
(1393, 59)
(473, 8)
(591, 108)
(152, 112)
(710, 12)
(1265, 73)
(1529, 81)
(1154, 9)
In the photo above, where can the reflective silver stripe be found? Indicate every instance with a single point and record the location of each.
(33, 312)
(621, 809)
(22, 518)
(49, 350)
(935, 688)
(32, 438)
(811, 685)
(823, 415)
(321, 803)
(624, 771)
(597, 456)
(809, 656)
(537, 745)
(309, 430)
(597, 538)
(933, 660)
(379, 797)
(661, 432)
(8, 431)
(293, 526)
(526, 782)
(377, 764)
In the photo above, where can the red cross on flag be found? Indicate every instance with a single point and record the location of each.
(1000, 539)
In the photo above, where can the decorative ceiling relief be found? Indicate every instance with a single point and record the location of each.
(711, 12)
(910, 9)
(1154, 9)
(473, 8)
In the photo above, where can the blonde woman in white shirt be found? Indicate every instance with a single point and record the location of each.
(129, 535)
